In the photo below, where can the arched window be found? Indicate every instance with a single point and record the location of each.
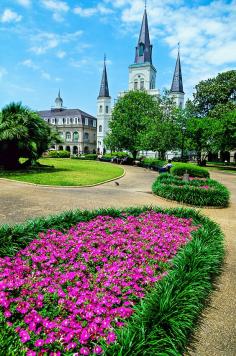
(107, 109)
(135, 85)
(76, 120)
(63, 121)
(141, 49)
(100, 128)
(48, 121)
(71, 120)
(141, 84)
(86, 136)
(67, 120)
(68, 136)
(61, 134)
(100, 108)
(75, 136)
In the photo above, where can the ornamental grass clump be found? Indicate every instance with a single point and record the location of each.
(196, 191)
(70, 292)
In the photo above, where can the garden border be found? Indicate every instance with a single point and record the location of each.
(166, 317)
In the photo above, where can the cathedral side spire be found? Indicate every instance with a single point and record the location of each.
(144, 48)
(177, 82)
(104, 90)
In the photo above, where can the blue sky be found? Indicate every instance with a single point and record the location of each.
(50, 44)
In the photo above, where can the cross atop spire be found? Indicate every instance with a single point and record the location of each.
(144, 48)
(104, 90)
(177, 82)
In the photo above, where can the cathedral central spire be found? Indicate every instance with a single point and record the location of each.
(104, 90)
(144, 48)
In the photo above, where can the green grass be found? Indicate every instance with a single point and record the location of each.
(66, 172)
(165, 319)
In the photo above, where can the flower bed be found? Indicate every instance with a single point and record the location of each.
(198, 192)
(69, 292)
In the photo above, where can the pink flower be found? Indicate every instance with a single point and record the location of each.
(98, 350)
(39, 342)
(111, 337)
(84, 351)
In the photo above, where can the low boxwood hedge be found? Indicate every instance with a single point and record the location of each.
(192, 169)
(58, 154)
(88, 157)
(166, 317)
(197, 192)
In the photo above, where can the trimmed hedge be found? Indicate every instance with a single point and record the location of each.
(152, 163)
(59, 154)
(166, 317)
(192, 170)
(197, 192)
(88, 157)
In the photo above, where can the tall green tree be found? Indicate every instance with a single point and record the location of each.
(215, 96)
(163, 131)
(23, 133)
(128, 121)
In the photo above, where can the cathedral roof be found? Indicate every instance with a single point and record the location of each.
(144, 48)
(104, 90)
(177, 82)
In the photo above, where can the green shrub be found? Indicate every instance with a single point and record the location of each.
(197, 192)
(191, 169)
(152, 163)
(164, 318)
(116, 154)
(88, 156)
(59, 154)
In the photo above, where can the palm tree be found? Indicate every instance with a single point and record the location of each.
(23, 133)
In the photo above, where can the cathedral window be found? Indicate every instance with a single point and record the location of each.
(100, 128)
(142, 84)
(68, 136)
(135, 85)
(100, 108)
(107, 109)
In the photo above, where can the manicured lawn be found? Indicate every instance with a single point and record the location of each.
(66, 172)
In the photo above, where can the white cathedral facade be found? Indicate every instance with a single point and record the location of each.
(142, 76)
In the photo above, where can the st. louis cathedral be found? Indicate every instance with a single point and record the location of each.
(142, 76)
(81, 132)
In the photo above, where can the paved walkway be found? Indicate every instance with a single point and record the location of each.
(216, 335)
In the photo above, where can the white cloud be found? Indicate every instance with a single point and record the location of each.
(55, 5)
(45, 75)
(100, 9)
(25, 3)
(10, 16)
(3, 72)
(30, 64)
(61, 54)
(59, 8)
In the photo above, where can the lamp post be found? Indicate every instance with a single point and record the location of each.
(182, 145)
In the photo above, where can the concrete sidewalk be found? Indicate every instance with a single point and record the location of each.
(216, 335)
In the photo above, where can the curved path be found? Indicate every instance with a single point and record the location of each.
(216, 335)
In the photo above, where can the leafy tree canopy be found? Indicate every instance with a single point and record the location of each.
(23, 133)
(215, 96)
(128, 121)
